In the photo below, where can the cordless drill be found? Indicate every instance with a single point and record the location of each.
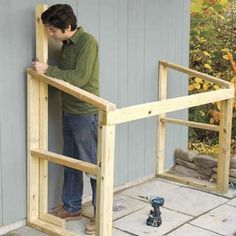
(154, 218)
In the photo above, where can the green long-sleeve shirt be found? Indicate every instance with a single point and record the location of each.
(78, 65)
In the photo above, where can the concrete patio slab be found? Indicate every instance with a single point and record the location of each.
(154, 187)
(186, 211)
(191, 201)
(195, 231)
(232, 202)
(230, 194)
(221, 220)
(25, 231)
(135, 223)
(123, 205)
(117, 232)
(79, 226)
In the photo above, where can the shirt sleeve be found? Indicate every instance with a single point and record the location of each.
(83, 69)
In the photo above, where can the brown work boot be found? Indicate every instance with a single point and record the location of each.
(66, 215)
(90, 228)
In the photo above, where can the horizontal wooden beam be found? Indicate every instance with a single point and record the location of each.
(189, 181)
(49, 228)
(192, 124)
(53, 219)
(174, 104)
(74, 91)
(65, 161)
(195, 73)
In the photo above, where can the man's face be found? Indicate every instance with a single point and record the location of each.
(57, 34)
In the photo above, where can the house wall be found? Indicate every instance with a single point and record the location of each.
(133, 36)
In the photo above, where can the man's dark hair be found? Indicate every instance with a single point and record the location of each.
(60, 16)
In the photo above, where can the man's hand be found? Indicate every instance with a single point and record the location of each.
(39, 67)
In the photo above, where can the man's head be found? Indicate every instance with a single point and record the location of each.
(60, 21)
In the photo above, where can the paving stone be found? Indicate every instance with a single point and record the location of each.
(150, 188)
(182, 203)
(230, 194)
(185, 171)
(116, 232)
(25, 231)
(232, 202)
(191, 201)
(205, 161)
(129, 205)
(204, 171)
(221, 220)
(233, 162)
(185, 163)
(195, 231)
(123, 206)
(187, 156)
(135, 223)
(232, 172)
(77, 226)
(232, 180)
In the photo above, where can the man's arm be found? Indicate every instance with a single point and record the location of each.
(83, 69)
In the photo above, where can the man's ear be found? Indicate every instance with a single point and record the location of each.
(68, 28)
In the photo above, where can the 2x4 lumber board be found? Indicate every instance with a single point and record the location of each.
(105, 178)
(43, 144)
(50, 229)
(42, 56)
(156, 108)
(99, 210)
(161, 127)
(195, 73)
(41, 35)
(226, 108)
(53, 220)
(188, 181)
(90, 98)
(65, 161)
(192, 124)
(32, 142)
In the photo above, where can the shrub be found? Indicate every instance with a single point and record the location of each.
(212, 51)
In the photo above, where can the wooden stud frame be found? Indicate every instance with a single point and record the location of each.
(226, 101)
(109, 116)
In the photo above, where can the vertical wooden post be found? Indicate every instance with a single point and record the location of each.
(160, 165)
(42, 56)
(226, 108)
(33, 142)
(38, 128)
(105, 176)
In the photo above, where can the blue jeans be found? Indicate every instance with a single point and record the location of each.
(80, 142)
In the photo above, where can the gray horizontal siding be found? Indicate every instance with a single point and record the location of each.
(17, 48)
(13, 61)
(133, 36)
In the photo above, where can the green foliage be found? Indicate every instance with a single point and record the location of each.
(212, 41)
(212, 36)
(203, 148)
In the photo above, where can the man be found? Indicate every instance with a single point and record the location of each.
(78, 65)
